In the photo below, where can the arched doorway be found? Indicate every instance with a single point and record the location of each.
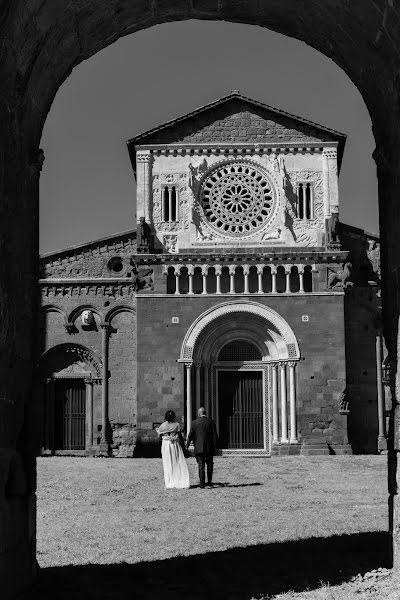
(241, 362)
(68, 374)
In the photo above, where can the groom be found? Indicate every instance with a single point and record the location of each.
(203, 433)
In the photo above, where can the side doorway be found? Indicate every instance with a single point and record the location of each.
(65, 415)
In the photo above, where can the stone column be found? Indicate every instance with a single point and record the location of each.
(177, 272)
(198, 386)
(190, 275)
(232, 271)
(260, 270)
(143, 191)
(246, 270)
(292, 403)
(188, 397)
(275, 417)
(284, 427)
(330, 181)
(300, 269)
(206, 380)
(288, 269)
(273, 274)
(105, 327)
(169, 188)
(204, 272)
(89, 413)
(218, 272)
(382, 445)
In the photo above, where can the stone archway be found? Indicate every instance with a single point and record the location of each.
(41, 44)
(68, 373)
(273, 355)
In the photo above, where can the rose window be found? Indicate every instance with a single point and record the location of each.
(237, 199)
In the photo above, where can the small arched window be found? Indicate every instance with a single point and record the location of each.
(239, 351)
(170, 204)
(305, 200)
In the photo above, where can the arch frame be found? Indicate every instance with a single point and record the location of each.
(283, 329)
(82, 351)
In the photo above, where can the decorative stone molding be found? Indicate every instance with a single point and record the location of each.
(50, 290)
(330, 153)
(281, 332)
(77, 354)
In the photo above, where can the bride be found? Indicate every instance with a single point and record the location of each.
(176, 474)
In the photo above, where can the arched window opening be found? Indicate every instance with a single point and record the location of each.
(280, 280)
(300, 199)
(294, 280)
(267, 280)
(184, 281)
(225, 280)
(239, 351)
(165, 204)
(169, 204)
(239, 280)
(305, 209)
(253, 280)
(211, 281)
(197, 281)
(308, 279)
(171, 281)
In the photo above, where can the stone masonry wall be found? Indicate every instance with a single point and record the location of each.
(321, 370)
(122, 354)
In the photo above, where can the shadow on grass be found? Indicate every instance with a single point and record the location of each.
(228, 485)
(237, 573)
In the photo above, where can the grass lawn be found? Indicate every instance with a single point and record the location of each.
(270, 528)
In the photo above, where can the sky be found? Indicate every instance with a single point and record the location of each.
(87, 188)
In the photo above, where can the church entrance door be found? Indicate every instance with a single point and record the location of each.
(70, 414)
(240, 406)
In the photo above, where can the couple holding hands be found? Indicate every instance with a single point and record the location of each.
(202, 433)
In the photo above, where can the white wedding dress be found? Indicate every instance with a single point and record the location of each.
(176, 474)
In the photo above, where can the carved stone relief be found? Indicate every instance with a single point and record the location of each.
(171, 243)
(305, 232)
(179, 180)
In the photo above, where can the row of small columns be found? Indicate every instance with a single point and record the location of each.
(281, 366)
(246, 272)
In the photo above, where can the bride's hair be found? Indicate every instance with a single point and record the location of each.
(170, 416)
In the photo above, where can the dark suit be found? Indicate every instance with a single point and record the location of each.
(203, 434)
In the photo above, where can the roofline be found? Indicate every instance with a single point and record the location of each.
(234, 95)
(86, 244)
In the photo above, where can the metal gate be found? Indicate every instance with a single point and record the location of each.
(70, 414)
(240, 406)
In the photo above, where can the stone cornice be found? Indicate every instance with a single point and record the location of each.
(239, 257)
(232, 148)
(87, 281)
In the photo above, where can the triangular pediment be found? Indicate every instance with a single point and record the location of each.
(237, 119)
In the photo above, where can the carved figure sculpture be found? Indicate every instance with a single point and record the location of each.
(332, 229)
(341, 278)
(273, 235)
(87, 318)
(145, 279)
(202, 234)
(143, 235)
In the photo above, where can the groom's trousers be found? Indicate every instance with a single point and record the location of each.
(203, 459)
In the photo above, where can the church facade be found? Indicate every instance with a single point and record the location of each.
(239, 290)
